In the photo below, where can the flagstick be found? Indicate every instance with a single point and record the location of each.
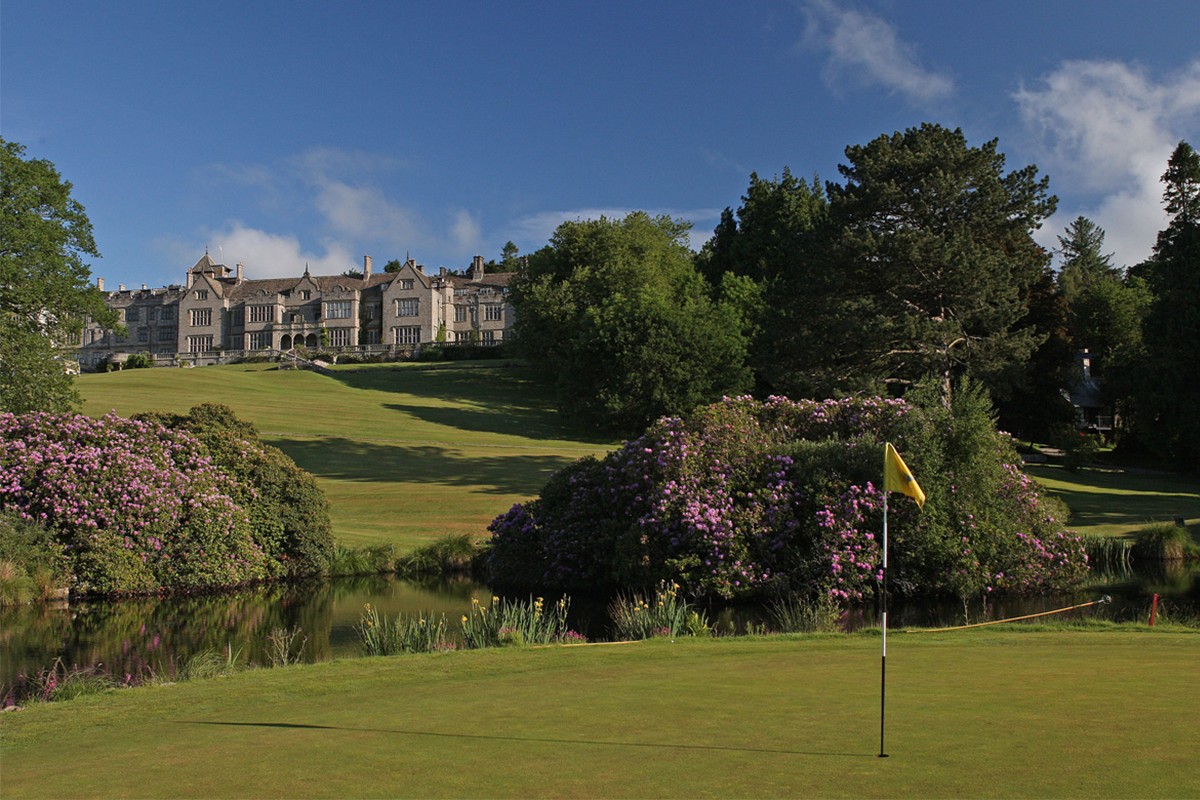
(883, 660)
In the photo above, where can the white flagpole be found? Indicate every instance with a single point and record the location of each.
(883, 607)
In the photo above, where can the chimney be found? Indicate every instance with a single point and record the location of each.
(421, 268)
(366, 267)
(443, 272)
(477, 268)
(240, 270)
(190, 278)
(100, 284)
(144, 287)
(120, 287)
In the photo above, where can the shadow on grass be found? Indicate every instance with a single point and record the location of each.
(492, 397)
(533, 739)
(1121, 497)
(357, 460)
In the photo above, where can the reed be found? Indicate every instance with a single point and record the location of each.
(1164, 541)
(517, 622)
(665, 613)
(798, 614)
(405, 633)
(450, 555)
(1108, 553)
(369, 560)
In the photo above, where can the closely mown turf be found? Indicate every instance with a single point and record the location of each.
(406, 453)
(969, 714)
(1118, 502)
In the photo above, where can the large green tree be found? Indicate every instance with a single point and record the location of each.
(45, 290)
(616, 315)
(764, 258)
(935, 262)
(1168, 393)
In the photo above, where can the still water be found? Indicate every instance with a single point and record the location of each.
(137, 637)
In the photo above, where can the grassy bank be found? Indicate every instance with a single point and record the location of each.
(974, 714)
(1118, 502)
(406, 453)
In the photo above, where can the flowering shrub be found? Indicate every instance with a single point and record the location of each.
(745, 497)
(136, 506)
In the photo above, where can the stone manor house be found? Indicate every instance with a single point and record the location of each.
(219, 314)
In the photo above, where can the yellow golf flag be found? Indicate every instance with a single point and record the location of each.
(897, 478)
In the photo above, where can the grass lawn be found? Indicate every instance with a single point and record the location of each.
(1112, 502)
(1108, 713)
(405, 452)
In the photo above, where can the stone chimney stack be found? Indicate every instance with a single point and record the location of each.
(144, 287)
(120, 287)
(477, 268)
(366, 267)
(100, 284)
(240, 270)
(190, 278)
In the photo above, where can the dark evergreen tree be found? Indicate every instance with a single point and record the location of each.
(935, 261)
(1168, 393)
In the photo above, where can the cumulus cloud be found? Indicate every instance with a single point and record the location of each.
(269, 255)
(1109, 127)
(865, 49)
(348, 203)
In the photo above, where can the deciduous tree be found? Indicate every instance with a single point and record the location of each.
(45, 291)
(615, 314)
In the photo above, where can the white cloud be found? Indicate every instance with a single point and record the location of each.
(864, 48)
(350, 208)
(1109, 128)
(268, 255)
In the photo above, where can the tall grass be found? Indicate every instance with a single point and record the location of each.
(382, 636)
(368, 560)
(665, 613)
(450, 555)
(797, 614)
(517, 622)
(1164, 541)
(1108, 553)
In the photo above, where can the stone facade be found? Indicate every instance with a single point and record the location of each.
(219, 314)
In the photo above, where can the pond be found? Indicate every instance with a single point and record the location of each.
(144, 636)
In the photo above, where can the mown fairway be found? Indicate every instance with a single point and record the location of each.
(1114, 502)
(406, 453)
(975, 714)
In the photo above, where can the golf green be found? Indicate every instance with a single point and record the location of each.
(972, 714)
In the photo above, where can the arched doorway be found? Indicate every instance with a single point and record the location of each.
(311, 341)
(286, 342)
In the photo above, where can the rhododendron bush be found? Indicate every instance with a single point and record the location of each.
(137, 506)
(743, 498)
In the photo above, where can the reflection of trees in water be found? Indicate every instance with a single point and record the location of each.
(143, 636)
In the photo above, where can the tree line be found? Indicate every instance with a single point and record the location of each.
(918, 266)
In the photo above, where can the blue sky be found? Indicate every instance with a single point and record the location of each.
(284, 133)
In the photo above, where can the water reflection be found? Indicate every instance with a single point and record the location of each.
(141, 636)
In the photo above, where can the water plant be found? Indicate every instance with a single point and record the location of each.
(799, 614)
(383, 636)
(286, 646)
(449, 555)
(366, 560)
(1108, 553)
(663, 613)
(1165, 541)
(516, 622)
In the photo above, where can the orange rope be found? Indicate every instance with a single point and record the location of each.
(1101, 601)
